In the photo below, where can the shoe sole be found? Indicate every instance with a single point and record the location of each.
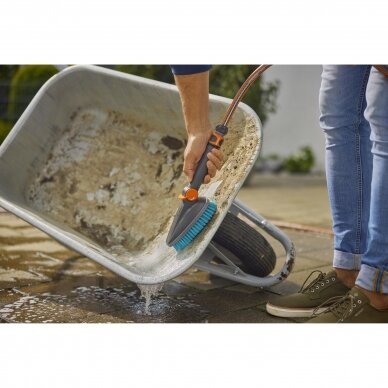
(285, 312)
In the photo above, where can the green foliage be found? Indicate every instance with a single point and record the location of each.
(5, 127)
(25, 83)
(273, 156)
(225, 80)
(300, 162)
(6, 74)
(7, 71)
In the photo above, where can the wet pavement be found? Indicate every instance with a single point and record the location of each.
(42, 281)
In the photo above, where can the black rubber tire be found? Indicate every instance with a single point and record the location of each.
(252, 249)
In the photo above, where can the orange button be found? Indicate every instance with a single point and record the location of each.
(191, 194)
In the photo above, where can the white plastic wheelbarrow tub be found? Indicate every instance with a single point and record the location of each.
(87, 104)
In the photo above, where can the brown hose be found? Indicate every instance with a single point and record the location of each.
(242, 91)
(302, 227)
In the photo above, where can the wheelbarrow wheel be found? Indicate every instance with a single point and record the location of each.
(255, 254)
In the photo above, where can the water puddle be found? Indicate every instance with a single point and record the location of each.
(32, 308)
(96, 304)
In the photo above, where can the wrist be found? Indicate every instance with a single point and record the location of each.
(198, 129)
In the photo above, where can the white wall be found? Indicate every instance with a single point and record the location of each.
(296, 122)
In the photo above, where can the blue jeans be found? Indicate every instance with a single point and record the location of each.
(354, 116)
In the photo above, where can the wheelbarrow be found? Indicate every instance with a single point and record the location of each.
(95, 161)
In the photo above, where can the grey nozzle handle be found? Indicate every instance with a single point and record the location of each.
(215, 141)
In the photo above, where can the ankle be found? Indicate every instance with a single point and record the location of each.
(347, 276)
(376, 300)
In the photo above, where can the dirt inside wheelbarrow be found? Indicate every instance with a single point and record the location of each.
(116, 180)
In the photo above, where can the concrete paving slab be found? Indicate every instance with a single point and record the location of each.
(303, 263)
(310, 242)
(164, 310)
(243, 289)
(46, 246)
(202, 280)
(223, 300)
(11, 277)
(177, 289)
(33, 309)
(8, 220)
(293, 198)
(29, 232)
(325, 255)
(252, 315)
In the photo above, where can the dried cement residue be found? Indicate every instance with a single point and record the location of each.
(111, 179)
(240, 144)
(117, 181)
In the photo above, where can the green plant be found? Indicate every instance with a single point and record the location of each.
(300, 162)
(273, 156)
(5, 127)
(25, 83)
(225, 80)
(6, 74)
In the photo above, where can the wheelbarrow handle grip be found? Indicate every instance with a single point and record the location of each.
(215, 141)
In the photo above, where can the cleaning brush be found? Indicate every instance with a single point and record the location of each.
(195, 212)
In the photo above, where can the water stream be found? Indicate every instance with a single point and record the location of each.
(147, 292)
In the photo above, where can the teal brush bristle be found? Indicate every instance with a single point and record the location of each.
(197, 228)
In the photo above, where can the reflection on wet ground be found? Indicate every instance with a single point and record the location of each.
(95, 304)
(42, 281)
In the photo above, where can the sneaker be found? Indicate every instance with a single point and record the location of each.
(354, 307)
(311, 296)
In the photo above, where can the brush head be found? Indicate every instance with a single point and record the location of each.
(190, 219)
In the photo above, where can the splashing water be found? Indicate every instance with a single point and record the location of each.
(77, 305)
(147, 292)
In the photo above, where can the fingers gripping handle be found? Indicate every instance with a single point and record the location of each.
(201, 170)
(215, 141)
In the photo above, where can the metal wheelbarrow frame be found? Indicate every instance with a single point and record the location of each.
(27, 146)
(229, 270)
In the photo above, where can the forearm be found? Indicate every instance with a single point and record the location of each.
(194, 93)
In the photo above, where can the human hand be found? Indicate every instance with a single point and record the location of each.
(196, 145)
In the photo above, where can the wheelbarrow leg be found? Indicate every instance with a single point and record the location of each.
(231, 271)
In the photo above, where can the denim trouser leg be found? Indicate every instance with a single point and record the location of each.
(374, 263)
(348, 159)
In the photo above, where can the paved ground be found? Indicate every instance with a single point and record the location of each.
(41, 281)
(296, 199)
